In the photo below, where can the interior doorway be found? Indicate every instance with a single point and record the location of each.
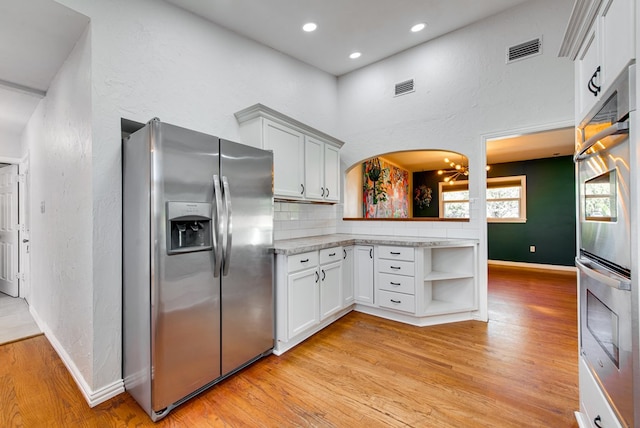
(530, 198)
(9, 231)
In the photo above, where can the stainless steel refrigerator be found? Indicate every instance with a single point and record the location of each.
(197, 269)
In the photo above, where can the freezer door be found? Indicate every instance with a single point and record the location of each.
(247, 279)
(185, 295)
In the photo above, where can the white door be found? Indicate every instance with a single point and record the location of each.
(303, 304)
(363, 278)
(25, 230)
(9, 230)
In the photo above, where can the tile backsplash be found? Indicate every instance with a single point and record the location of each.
(299, 220)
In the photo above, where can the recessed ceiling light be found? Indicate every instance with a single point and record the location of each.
(418, 27)
(309, 27)
(355, 55)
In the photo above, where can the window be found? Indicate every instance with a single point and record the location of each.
(506, 199)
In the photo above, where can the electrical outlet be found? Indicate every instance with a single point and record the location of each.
(532, 248)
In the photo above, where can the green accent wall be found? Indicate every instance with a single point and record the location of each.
(551, 214)
(429, 179)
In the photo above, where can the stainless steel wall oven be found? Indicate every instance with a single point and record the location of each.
(603, 161)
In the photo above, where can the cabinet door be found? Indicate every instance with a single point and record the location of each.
(330, 289)
(588, 73)
(288, 159)
(617, 38)
(347, 276)
(363, 278)
(331, 173)
(313, 169)
(303, 306)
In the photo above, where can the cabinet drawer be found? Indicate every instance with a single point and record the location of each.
(593, 403)
(397, 301)
(395, 253)
(329, 255)
(301, 261)
(397, 283)
(396, 267)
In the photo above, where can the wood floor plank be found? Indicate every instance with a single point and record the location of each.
(517, 370)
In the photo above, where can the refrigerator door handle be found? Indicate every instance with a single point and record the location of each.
(216, 231)
(226, 258)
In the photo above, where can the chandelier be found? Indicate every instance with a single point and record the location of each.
(457, 171)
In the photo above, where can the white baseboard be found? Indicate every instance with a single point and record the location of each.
(533, 265)
(93, 398)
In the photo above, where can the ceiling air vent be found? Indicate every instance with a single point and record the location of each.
(405, 87)
(524, 50)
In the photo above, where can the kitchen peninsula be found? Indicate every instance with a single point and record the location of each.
(419, 281)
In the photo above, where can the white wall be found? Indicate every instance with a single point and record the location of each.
(10, 145)
(58, 137)
(151, 59)
(464, 93)
(464, 90)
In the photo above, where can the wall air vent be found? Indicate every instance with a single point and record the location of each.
(405, 87)
(524, 50)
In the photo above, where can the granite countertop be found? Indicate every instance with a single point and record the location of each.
(313, 243)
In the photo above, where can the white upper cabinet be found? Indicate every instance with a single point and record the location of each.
(331, 173)
(617, 23)
(600, 38)
(306, 160)
(314, 168)
(288, 159)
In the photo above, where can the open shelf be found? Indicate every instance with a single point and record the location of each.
(442, 276)
(437, 307)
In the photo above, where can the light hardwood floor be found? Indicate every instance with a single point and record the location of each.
(16, 322)
(517, 370)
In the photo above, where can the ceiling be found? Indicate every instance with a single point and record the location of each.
(36, 37)
(376, 28)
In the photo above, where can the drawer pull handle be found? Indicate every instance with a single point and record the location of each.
(332, 255)
(394, 283)
(304, 261)
(345, 254)
(395, 267)
(317, 276)
(597, 421)
(396, 301)
(324, 275)
(302, 191)
(370, 253)
(395, 254)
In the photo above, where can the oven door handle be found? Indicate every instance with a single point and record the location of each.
(616, 128)
(620, 284)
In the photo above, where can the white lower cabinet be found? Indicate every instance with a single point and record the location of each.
(421, 285)
(330, 281)
(595, 411)
(396, 278)
(363, 274)
(308, 295)
(347, 275)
